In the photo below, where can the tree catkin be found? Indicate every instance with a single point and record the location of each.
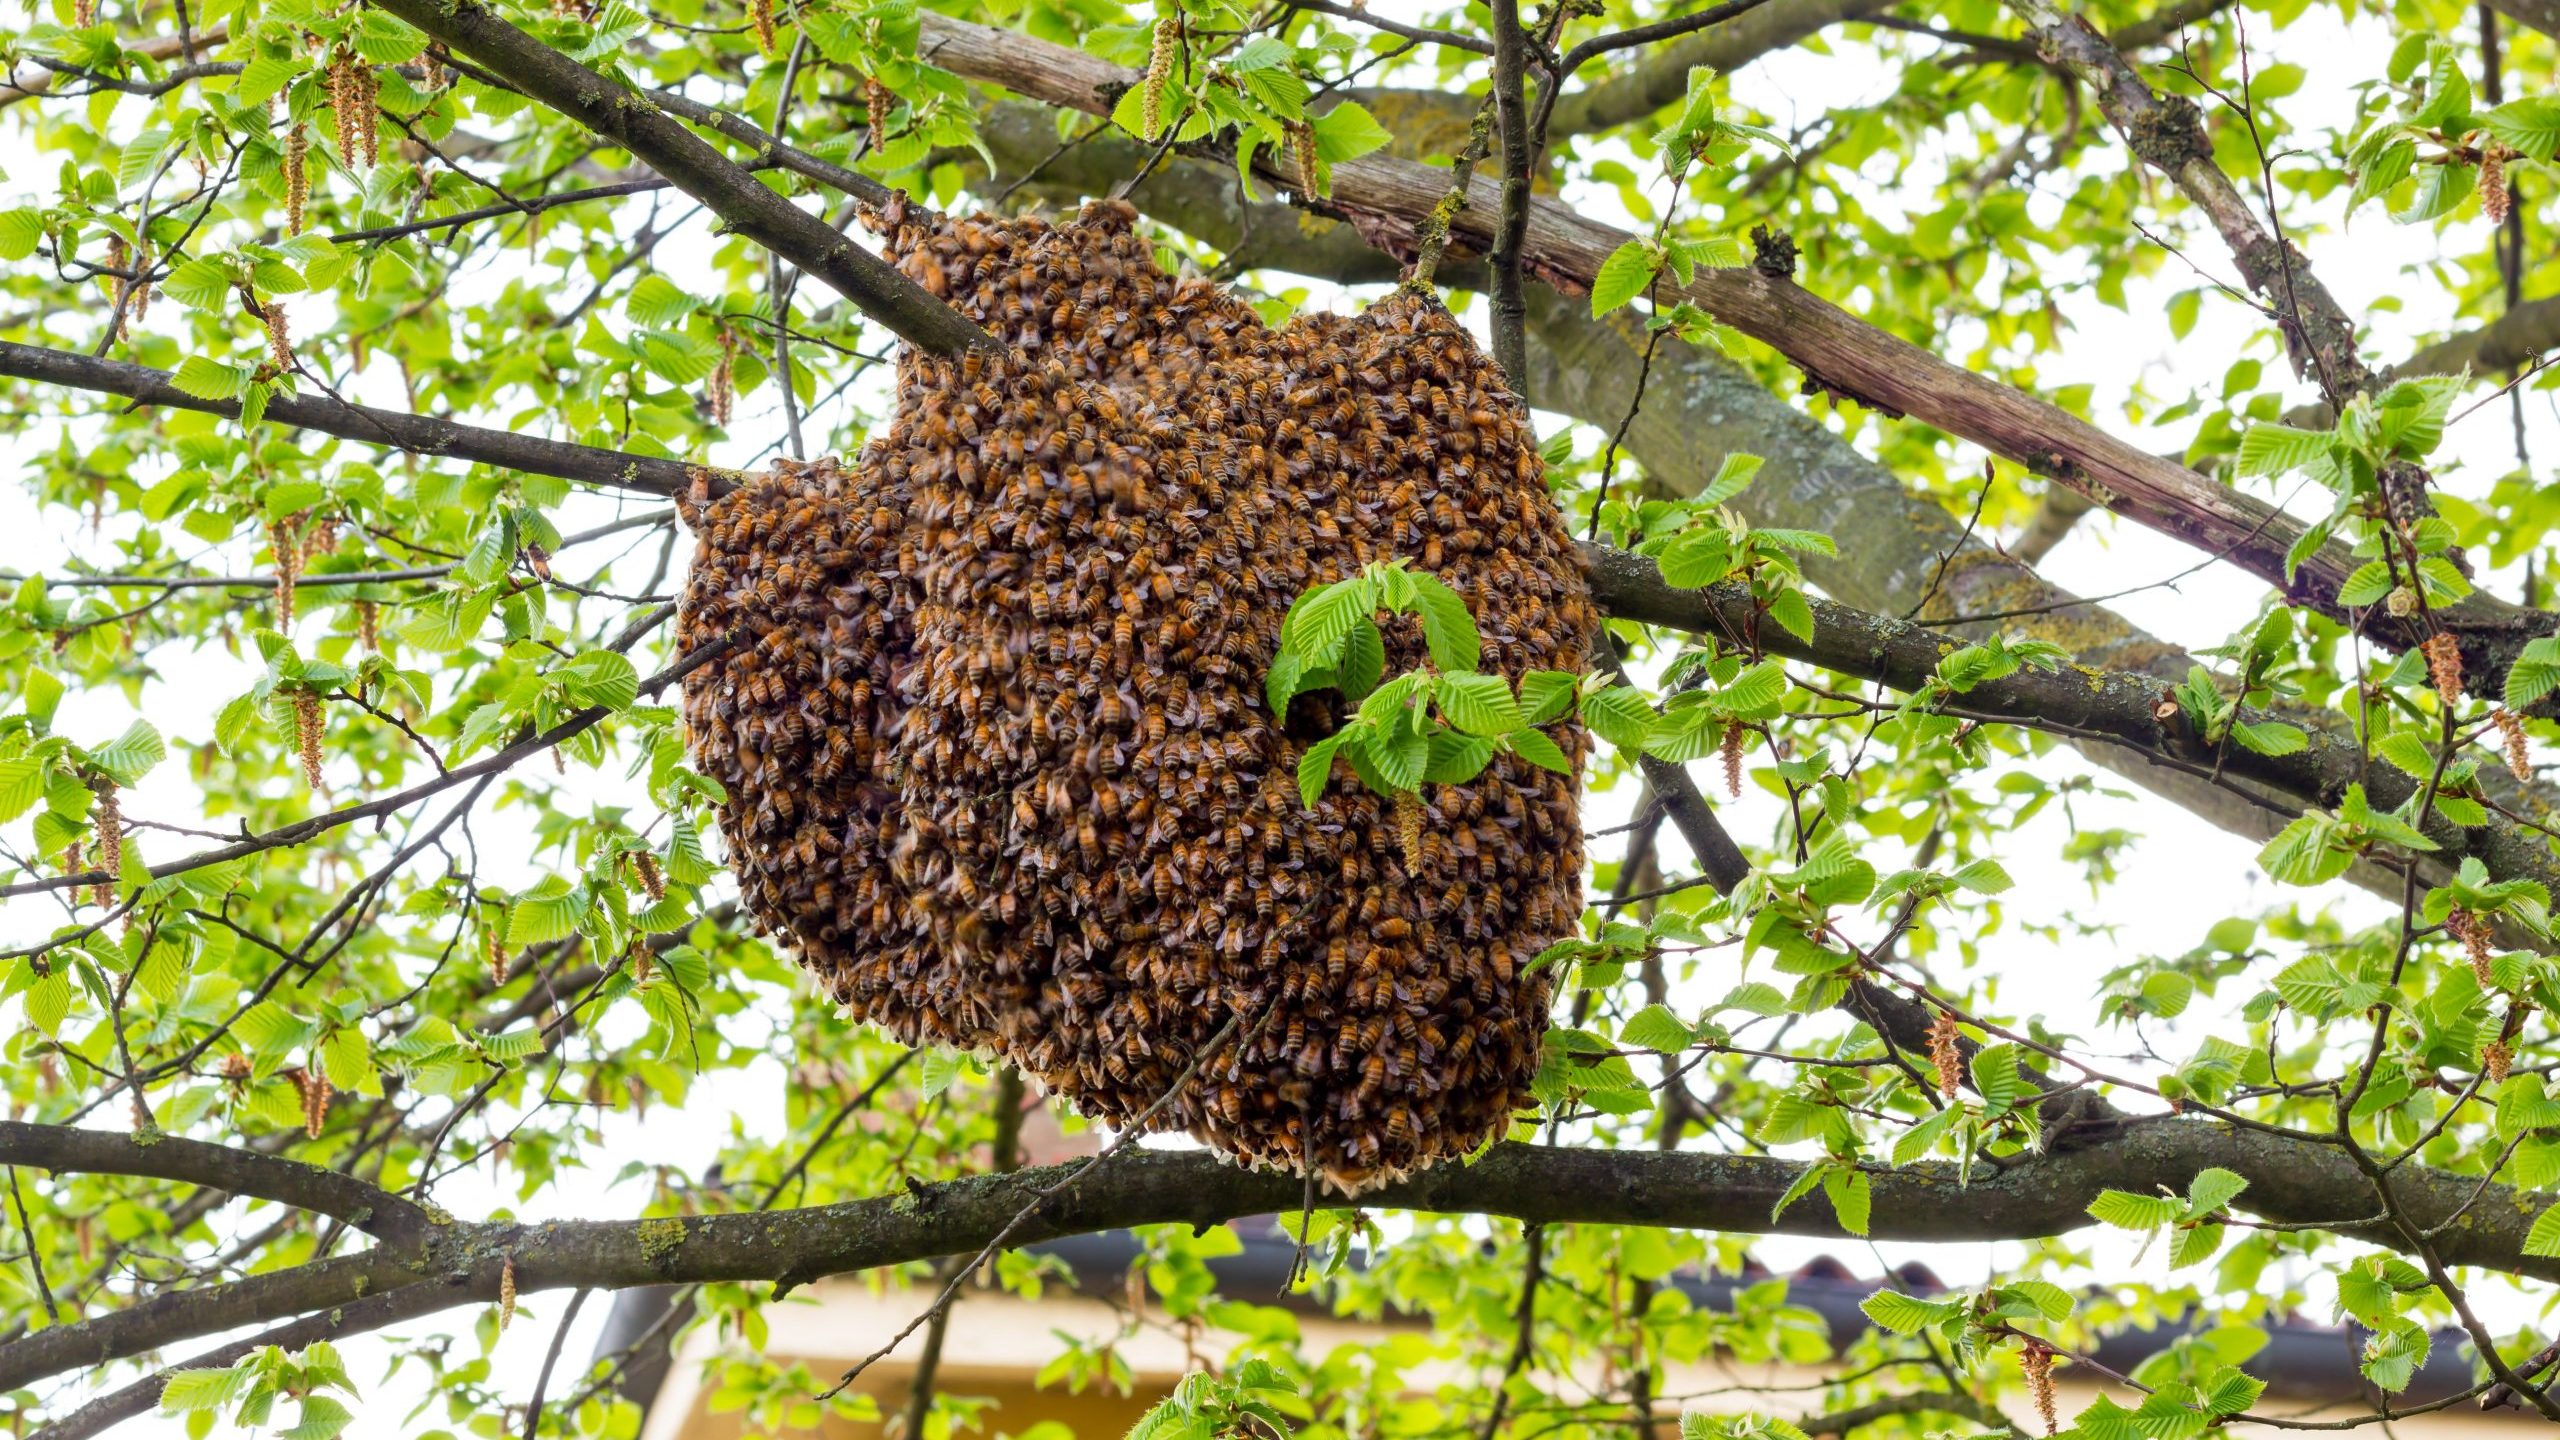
(2477, 935)
(653, 881)
(281, 540)
(306, 733)
(2519, 752)
(297, 177)
(109, 818)
(2035, 1362)
(1160, 57)
(2496, 200)
(1945, 1054)
(991, 724)
(875, 106)
(2444, 667)
(279, 339)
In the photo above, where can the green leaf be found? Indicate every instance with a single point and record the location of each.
(130, 756)
(2228, 1390)
(549, 911)
(2544, 1237)
(1755, 693)
(600, 678)
(1477, 703)
(386, 40)
(1316, 766)
(1655, 1028)
(657, 302)
(2212, 1191)
(1346, 132)
(1545, 695)
(1534, 747)
(1447, 626)
(1320, 623)
(208, 379)
(1906, 1314)
(2393, 1356)
(2301, 853)
(2370, 582)
(1456, 759)
(1983, 876)
(2535, 672)
(2128, 1211)
(1996, 1078)
(1851, 1196)
(1620, 715)
(189, 1390)
(2280, 449)
(21, 785)
(2531, 124)
(20, 230)
(1626, 274)
(1364, 659)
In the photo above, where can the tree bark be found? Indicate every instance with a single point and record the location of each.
(2292, 1180)
(1386, 199)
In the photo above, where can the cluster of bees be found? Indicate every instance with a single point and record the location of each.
(992, 728)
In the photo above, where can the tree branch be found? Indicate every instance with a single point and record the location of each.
(1389, 200)
(2168, 133)
(2111, 709)
(65, 1150)
(399, 430)
(638, 123)
(300, 831)
(2291, 1181)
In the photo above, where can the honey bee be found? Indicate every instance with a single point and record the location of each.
(1001, 525)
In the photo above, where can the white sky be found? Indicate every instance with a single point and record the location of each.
(2180, 877)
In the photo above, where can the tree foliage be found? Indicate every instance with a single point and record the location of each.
(362, 903)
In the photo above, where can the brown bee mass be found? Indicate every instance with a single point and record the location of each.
(992, 728)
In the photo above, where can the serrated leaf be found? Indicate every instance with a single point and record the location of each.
(1534, 747)
(1620, 715)
(1477, 703)
(2128, 1211)
(1655, 1028)
(209, 379)
(1623, 276)
(2535, 672)
(1906, 1314)
(1448, 627)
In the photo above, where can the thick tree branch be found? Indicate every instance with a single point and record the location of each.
(2524, 334)
(1662, 76)
(2168, 133)
(2542, 15)
(2113, 709)
(2094, 705)
(2291, 1181)
(1387, 199)
(638, 123)
(399, 430)
(65, 1150)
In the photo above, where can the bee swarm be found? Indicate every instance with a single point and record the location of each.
(992, 727)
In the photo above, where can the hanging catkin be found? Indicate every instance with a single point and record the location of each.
(992, 730)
